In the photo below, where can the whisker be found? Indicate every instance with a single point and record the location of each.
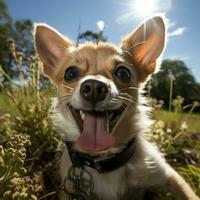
(118, 101)
(129, 88)
(66, 101)
(115, 101)
(124, 94)
(127, 99)
(66, 96)
(127, 96)
(112, 101)
(68, 87)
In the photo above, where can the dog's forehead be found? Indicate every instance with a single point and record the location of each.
(98, 55)
(102, 47)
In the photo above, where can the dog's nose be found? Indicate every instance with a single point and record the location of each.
(93, 90)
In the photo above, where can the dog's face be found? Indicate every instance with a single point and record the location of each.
(98, 83)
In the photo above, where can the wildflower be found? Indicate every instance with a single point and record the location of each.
(160, 125)
(180, 99)
(1, 151)
(169, 130)
(196, 103)
(171, 76)
(184, 126)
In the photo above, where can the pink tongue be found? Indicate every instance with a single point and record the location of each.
(95, 136)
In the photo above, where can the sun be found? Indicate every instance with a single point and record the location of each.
(144, 8)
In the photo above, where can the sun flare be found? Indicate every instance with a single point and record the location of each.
(144, 8)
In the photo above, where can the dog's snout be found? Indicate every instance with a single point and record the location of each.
(93, 90)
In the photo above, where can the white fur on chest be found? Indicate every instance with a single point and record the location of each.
(144, 169)
(109, 185)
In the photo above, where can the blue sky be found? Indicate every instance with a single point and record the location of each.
(120, 18)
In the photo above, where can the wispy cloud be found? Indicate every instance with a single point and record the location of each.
(170, 23)
(101, 25)
(177, 32)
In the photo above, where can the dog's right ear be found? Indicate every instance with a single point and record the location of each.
(51, 47)
(145, 44)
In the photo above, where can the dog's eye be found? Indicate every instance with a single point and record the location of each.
(123, 73)
(71, 73)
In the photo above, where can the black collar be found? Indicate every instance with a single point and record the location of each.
(102, 163)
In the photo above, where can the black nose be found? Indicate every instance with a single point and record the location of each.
(93, 90)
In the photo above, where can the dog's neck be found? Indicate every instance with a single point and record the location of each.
(102, 162)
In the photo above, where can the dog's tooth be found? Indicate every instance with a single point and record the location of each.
(107, 121)
(82, 114)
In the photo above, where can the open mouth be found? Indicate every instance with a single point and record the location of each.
(96, 128)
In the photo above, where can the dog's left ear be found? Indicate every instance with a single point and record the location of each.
(145, 45)
(51, 47)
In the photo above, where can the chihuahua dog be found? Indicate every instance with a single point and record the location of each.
(100, 112)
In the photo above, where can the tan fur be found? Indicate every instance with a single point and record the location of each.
(147, 168)
(184, 191)
(145, 45)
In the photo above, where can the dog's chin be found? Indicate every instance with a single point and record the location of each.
(96, 128)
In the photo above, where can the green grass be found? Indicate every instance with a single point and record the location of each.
(6, 106)
(172, 119)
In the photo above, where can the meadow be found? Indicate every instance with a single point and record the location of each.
(28, 141)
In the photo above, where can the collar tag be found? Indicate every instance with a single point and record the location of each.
(81, 183)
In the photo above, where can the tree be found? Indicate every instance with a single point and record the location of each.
(22, 34)
(92, 36)
(184, 83)
(5, 28)
(16, 44)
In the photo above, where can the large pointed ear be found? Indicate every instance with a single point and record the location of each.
(51, 47)
(145, 45)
